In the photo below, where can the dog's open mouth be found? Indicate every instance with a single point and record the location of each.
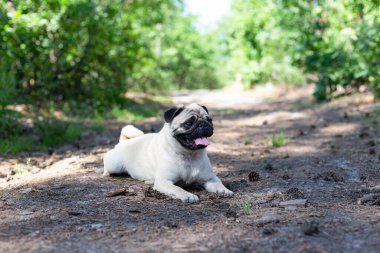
(203, 141)
(193, 143)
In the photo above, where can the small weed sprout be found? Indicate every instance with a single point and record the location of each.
(245, 207)
(278, 139)
(20, 169)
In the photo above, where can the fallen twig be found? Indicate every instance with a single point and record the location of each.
(118, 192)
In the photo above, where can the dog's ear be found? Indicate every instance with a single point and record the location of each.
(172, 112)
(204, 107)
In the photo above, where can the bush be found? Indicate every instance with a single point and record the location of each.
(88, 53)
(335, 40)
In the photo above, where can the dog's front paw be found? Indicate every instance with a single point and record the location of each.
(189, 198)
(221, 190)
(225, 192)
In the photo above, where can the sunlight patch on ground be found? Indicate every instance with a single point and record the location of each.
(270, 118)
(340, 128)
(216, 98)
(71, 166)
(301, 150)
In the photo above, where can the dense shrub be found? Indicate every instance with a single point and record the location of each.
(88, 53)
(335, 40)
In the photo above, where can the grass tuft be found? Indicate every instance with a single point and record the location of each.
(245, 207)
(54, 132)
(20, 169)
(279, 139)
(17, 144)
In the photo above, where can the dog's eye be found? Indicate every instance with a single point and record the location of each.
(188, 124)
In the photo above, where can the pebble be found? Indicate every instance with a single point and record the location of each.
(267, 219)
(294, 202)
(26, 190)
(310, 227)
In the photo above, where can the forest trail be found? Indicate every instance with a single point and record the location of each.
(304, 196)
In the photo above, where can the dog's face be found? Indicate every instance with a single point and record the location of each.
(190, 125)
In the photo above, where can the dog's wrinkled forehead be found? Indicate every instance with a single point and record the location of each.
(180, 113)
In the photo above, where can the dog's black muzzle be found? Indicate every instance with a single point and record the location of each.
(199, 129)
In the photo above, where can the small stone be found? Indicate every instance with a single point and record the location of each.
(26, 190)
(294, 202)
(265, 122)
(266, 220)
(96, 225)
(290, 208)
(270, 196)
(372, 199)
(35, 170)
(372, 151)
(310, 227)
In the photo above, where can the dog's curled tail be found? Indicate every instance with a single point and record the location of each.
(129, 132)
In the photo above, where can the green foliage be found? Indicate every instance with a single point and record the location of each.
(134, 112)
(278, 139)
(335, 40)
(188, 56)
(337, 43)
(48, 131)
(10, 123)
(245, 207)
(256, 46)
(88, 53)
(7, 82)
(80, 57)
(17, 144)
(20, 169)
(54, 132)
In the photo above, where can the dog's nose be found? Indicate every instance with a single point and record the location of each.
(206, 128)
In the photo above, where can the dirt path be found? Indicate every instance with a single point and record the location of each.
(300, 197)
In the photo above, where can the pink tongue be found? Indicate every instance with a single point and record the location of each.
(202, 141)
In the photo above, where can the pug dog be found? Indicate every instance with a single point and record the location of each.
(177, 154)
